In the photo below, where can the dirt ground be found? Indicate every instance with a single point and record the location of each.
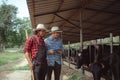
(66, 72)
(5, 74)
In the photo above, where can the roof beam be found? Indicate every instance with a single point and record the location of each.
(78, 34)
(111, 17)
(96, 23)
(54, 22)
(67, 20)
(109, 26)
(100, 10)
(70, 38)
(111, 30)
(97, 10)
(32, 16)
(60, 5)
(70, 16)
(56, 11)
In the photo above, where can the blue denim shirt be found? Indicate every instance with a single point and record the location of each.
(53, 44)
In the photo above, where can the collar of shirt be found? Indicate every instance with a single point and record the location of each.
(40, 40)
(50, 38)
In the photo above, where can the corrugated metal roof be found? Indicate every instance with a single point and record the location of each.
(100, 17)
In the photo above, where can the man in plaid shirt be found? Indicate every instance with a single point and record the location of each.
(35, 53)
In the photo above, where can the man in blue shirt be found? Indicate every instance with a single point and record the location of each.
(54, 47)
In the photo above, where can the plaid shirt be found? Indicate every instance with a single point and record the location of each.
(32, 47)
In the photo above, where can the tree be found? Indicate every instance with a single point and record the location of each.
(12, 29)
(7, 17)
(20, 26)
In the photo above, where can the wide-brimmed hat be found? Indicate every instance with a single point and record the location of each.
(40, 27)
(55, 29)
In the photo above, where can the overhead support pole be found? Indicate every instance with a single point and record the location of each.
(119, 39)
(96, 55)
(111, 49)
(101, 42)
(81, 30)
(90, 52)
(66, 20)
(81, 40)
(69, 53)
(111, 43)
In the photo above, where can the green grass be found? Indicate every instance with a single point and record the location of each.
(7, 57)
(21, 68)
(74, 76)
(12, 49)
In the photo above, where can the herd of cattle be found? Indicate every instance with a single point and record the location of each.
(98, 59)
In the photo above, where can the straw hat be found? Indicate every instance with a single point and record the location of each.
(55, 29)
(40, 26)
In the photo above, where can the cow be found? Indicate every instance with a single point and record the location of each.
(101, 61)
(72, 55)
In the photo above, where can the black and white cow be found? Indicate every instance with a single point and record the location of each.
(101, 61)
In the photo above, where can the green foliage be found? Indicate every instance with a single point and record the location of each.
(20, 26)
(74, 76)
(7, 17)
(12, 29)
(7, 57)
(2, 62)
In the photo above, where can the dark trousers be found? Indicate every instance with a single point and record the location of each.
(57, 71)
(40, 71)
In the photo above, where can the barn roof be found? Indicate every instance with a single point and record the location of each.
(99, 17)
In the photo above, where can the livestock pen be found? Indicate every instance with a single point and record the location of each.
(80, 20)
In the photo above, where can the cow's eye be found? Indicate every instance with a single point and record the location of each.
(79, 54)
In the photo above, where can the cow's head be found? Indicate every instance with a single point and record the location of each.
(79, 60)
(96, 69)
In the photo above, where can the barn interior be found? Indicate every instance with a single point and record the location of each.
(89, 19)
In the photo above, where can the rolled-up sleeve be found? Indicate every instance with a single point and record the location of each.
(47, 47)
(28, 45)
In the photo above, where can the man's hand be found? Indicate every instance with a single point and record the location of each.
(51, 52)
(59, 51)
(31, 66)
(28, 57)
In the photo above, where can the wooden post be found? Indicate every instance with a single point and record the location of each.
(81, 30)
(26, 33)
(102, 45)
(111, 49)
(61, 36)
(81, 40)
(95, 50)
(69, 53)
(111, 43)
(119, 40)
(90, 53)
(101, 41)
